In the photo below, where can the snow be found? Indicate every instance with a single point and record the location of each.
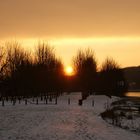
(61, 121)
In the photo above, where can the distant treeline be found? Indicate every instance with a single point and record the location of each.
(25, 74)
(132, 76)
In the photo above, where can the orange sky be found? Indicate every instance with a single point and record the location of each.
(110, 27)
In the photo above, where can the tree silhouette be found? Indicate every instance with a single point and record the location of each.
(86, 68)
(3, 63)
(41, 74)
(3, 69)
(32, 76)
(112, 81)
(49, 68)
(18, 60)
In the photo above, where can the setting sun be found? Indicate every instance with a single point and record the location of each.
(69, 71)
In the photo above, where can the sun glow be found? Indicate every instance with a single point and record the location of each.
(69, 71)
(66, 48)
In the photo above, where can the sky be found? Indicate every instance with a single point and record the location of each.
(110, 27)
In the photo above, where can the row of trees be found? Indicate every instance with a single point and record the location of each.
(108, 80)
(26, 74)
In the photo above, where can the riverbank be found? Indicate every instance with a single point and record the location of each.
(124, 113)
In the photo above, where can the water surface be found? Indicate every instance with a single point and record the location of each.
(133, 94)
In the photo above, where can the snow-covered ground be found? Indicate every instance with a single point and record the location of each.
(60, 122)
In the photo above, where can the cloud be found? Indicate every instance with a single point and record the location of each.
(61, 18)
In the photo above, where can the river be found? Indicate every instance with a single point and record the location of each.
(132, 94)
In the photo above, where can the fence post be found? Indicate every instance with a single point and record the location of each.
(33, 99)
(46, 100)
(68, 101)
(25, 101)
(56, 100)
(37, 101)
(2, 102)
(93, 103)
(14, 101)
(7, 98)
(41, 98)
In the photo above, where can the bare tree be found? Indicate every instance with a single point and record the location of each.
(17, 61)
(49, 67)
(109, 65)
(112, 78)
(85, 61)
(85, 65)
(16, 56)
(3, 62)
(44, 54)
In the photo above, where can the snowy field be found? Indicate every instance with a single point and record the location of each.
(60, 122)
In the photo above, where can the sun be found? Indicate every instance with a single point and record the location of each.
(69, 71)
